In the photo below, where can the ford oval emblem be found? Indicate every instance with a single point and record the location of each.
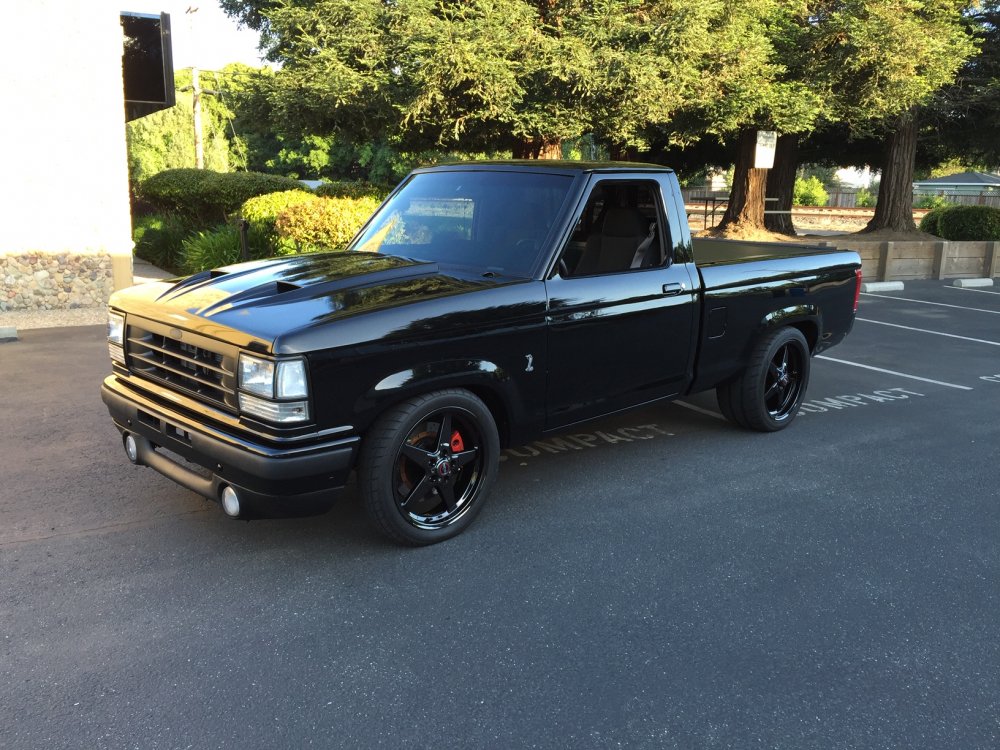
(175, 333)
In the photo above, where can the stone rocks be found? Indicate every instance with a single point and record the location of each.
(42, 281)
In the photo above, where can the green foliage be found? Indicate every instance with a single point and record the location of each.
(809, 192)
(158, 239)
(211, 249)
(865, 198)
(969, 223)
(206, 197)
(326, 223)
(165, 139)
(342, 189)
(262, 211)
(929, 223)
(931, 201)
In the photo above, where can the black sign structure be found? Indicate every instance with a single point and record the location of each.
(147, 64)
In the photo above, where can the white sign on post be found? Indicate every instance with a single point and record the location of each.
(767, 142)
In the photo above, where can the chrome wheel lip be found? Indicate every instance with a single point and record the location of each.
(446, 470)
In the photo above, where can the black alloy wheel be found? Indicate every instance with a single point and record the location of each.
(784, 381)
(766, 396)
(427, 466)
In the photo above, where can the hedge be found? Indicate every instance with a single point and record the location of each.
(930, 221)
(206, 196)
(328, 223)
(352, 190)
(959, 223)
(262, 212)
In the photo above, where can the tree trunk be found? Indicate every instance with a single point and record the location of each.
(781, 185)
(618, 152)
(746, 200)
(539, 147)
(894, 208)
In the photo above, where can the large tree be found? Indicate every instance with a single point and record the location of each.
(884, 60)
(482, 73)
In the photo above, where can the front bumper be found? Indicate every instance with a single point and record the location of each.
(258, 471)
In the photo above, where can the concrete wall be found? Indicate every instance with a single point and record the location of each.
(65, 238)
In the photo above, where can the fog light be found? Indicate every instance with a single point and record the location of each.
(230, 502)
(131, 448)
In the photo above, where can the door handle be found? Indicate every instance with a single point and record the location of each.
(671, 289)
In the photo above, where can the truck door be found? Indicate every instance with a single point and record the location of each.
(621, 317)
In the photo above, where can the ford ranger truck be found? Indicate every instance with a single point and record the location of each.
(483, 305)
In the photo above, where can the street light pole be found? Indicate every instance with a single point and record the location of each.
(199, 147)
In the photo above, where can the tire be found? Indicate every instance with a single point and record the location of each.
(767, 395)
(427, 466)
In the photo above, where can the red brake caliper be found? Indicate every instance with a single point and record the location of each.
(457, 444)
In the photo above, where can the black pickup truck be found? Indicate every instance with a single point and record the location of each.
(483, 305)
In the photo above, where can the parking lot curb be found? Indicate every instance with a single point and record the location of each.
(882, 286)
(7, 334)
(969, 283)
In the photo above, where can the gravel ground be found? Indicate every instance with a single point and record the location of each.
(23, 320)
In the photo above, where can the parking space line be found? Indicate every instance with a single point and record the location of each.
(893, 372)
(698, 409)
(933, 333)
(969, 289)
(925, 302)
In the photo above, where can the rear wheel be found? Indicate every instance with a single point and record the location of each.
(427, 466)
(766, 396)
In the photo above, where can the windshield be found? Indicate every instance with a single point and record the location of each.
(492, 221)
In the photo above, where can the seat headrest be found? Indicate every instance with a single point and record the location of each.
(623, 222)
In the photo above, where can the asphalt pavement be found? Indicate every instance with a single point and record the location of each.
(658, 580)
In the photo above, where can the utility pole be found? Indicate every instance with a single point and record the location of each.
(199, 147)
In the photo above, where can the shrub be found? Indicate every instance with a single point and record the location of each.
(352, 190)
(969, 223)
(809, 192)
(930, 221)
(932, 201)
(174, 189)
(205, 196)
(217, 247)
(158, 239)
(262, 211)
(865, 198)
(329, 223)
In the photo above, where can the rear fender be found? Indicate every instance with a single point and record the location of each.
(806, 317)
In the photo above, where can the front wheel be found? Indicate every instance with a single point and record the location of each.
(766, 396)
(427, 465)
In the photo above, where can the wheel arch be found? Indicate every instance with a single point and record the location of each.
(806, 318)
(486, 380)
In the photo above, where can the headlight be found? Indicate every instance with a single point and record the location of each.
(116, 337)
(116, 329)
(257, 376)
(267, 388)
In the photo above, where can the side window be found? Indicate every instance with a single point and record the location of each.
(620, 229)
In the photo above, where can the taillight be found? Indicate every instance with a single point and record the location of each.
(857, 288)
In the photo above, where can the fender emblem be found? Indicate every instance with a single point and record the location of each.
(531, 363)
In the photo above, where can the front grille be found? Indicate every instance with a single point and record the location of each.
(198, 367)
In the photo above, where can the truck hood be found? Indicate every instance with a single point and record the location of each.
(266, 299)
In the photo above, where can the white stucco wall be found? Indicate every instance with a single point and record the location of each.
(64, 178)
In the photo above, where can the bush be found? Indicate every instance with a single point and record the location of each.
(158, 239)
(217, 247)
(980, 223)
(865, 198)
(932, 201)
(328, 223)
(809, 192)
(930, 221)
(352, 190)
(205, 196)
(262, 211)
